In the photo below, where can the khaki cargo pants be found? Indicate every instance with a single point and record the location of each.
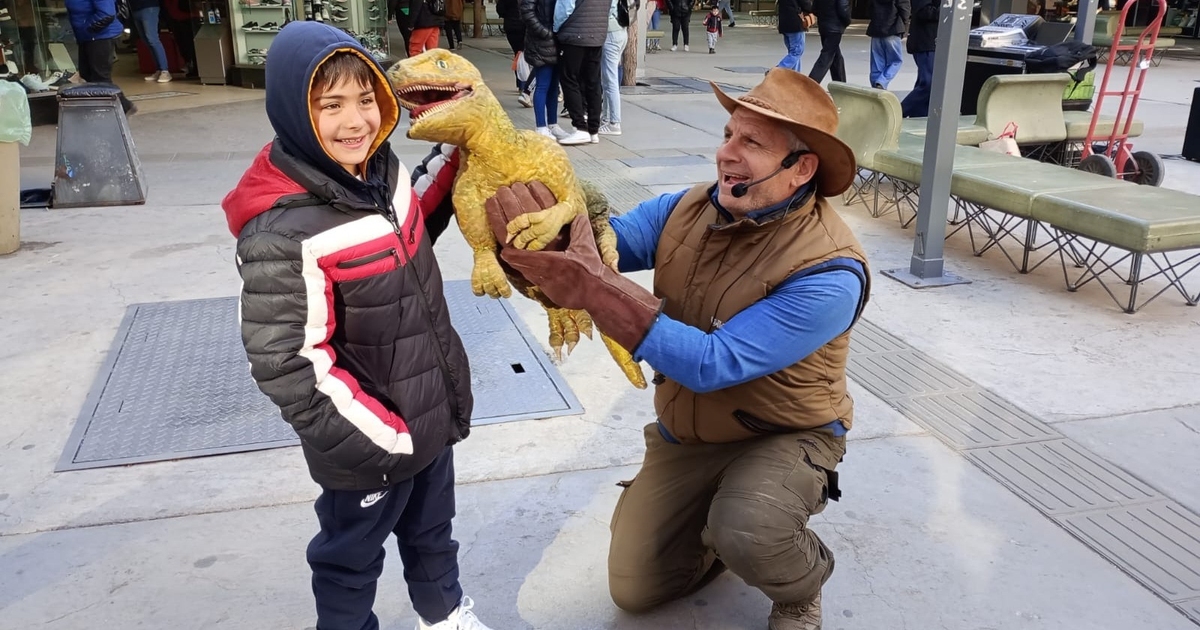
(744, 503)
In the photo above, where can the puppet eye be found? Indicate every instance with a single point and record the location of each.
(441, 63)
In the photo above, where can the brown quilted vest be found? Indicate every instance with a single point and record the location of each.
(707, 271)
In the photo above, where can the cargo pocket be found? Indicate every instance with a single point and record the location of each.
(612, 524)
(811, 484)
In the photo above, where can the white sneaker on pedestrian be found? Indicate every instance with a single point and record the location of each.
(545, 131)
(460, 619)
(558, 132)
(610, 129)
(523, 99)
(579, 137)
(153, 77)
(685, 48)
(595, 138)
(164, 77)
(674, 48)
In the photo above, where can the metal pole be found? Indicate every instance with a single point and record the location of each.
(927, 267)
(1085, 21)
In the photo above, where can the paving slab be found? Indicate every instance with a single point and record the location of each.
(533, 557)
(1159, 447)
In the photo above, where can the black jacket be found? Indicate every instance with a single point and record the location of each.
(538, 18)
(679, 10)
(922, 33)
(419, 15)
(789, 15)
(587, 25)
(833, 16)
(342, 312)
(889, 18)
(510, 12)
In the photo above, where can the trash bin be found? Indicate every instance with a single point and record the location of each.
(95, 163)
(14, 127)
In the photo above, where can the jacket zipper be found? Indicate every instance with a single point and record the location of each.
(366, 260)
(440, 354)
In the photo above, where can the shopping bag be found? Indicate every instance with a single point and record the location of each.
(523, 69)
(1005, 143)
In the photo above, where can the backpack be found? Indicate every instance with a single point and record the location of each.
(1063, 58)
(623, 13)
(436, 7)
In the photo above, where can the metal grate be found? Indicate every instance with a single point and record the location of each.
(176, 385)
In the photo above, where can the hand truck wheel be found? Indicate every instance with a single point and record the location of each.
(1150, 168)
(1099, 164)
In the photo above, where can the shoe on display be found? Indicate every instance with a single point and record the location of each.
(339, 19)
(4, 15)
(34, 83)
(250, 26)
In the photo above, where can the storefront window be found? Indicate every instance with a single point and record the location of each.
(256, 22)
(37, 47)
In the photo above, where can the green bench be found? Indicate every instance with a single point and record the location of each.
(1113, 232)
(1129, 37)
(1034, 103)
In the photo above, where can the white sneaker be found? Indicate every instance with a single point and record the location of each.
(460, 619)
(523, 99)
(610, 129)
(153, 77)
(558, 132)
(685, 48)
(674, 48)
(34, 83)
(164, 77)
(595, 138)
(579, 137)
(545, 131)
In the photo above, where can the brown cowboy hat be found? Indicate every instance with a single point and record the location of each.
(804, 106)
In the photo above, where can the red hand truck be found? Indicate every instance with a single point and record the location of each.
(1114, 156)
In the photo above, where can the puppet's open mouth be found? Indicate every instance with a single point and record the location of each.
(421, 99)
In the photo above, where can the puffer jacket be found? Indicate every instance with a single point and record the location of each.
(343, 317)
(789, 15)
(540, 46)
(679, 10)
(889, 18)
(581, 23)
(86, 13)
(833, 16)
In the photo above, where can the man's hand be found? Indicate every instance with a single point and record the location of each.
(567, 265)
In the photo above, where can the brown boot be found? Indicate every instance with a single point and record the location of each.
(796, 616)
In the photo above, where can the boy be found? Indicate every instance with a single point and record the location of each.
(347, 329)
(712, 24)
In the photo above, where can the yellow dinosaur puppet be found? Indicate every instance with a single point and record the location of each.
(449, 103)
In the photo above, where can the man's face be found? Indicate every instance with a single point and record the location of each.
(754, 147)
(347, 120)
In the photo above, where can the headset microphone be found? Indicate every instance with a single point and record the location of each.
(740, 190)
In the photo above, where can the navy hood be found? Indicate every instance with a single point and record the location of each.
(296, 53)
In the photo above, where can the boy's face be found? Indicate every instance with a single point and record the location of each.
(347, 120)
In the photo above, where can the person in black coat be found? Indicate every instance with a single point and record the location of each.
(833, 16)
(791, 26)
(889, 23)
(922, 41)
(541, 53)
(681, 14)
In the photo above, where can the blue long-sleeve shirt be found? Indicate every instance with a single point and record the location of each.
(803, 313)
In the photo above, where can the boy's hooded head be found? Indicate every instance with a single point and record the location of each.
(327, 99)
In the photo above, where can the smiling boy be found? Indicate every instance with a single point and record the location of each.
(347, 330)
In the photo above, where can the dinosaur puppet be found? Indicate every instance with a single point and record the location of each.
(448, 102)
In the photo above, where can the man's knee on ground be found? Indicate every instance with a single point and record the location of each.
(635, 595)
(768, 545)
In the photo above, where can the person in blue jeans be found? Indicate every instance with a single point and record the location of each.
(791, 26)
(610, 75)
(145, 20)
(541, 53)
(889, 23)
(922, 41)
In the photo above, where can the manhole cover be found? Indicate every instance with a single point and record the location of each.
(176, 385)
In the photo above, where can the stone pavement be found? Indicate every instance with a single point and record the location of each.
(924, 537)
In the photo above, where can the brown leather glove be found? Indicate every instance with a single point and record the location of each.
(569, 270)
